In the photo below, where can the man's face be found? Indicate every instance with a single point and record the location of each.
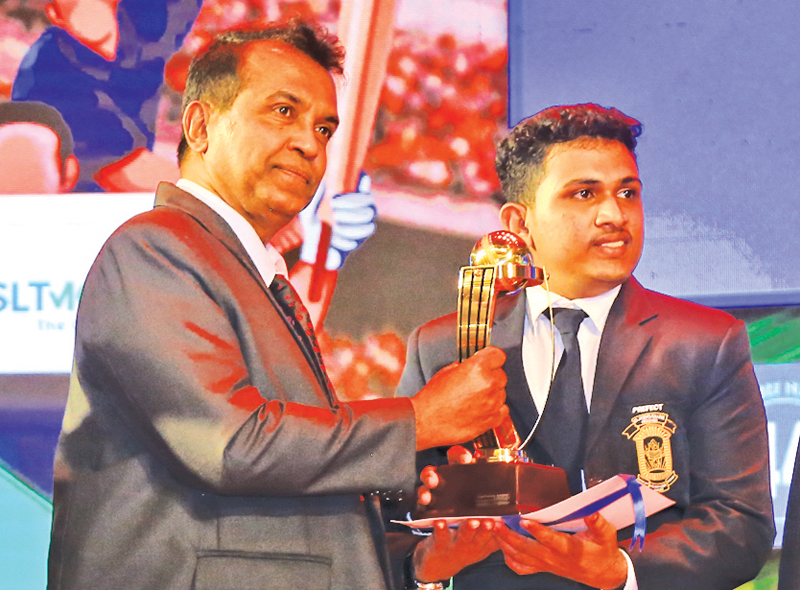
(266, 153)
(586, 226)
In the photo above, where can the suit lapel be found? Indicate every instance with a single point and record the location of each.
(168, 195)
(507, 332)
(625, 337)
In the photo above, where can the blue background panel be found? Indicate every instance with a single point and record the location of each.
(716, 87)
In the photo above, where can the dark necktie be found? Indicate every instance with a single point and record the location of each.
(562, 428)
(299, 321)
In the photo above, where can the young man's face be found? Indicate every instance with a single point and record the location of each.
(267, 152)
(586, 226)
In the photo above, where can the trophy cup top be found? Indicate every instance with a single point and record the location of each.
(510, 255)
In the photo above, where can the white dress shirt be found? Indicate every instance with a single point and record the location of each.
(267, 260)
(542, 349)
(542, 346)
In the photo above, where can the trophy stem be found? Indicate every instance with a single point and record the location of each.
(478, 291)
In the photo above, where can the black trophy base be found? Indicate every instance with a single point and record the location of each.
(495, 489)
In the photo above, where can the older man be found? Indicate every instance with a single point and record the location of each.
(203, 445)
(659, 387)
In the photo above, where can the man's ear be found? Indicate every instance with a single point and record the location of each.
(70, 174)
(513, 218)
(195, 125)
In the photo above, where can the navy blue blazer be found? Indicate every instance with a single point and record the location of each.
(675, 402)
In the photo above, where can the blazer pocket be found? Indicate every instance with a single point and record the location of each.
(261, 571)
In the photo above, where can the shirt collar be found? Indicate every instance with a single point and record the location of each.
(267, 260)
(597, 307)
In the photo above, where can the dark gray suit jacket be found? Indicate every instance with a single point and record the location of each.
(686, 361)
(198, 449)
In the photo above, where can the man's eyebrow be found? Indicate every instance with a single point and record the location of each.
(582, 182)
(284, 95)
(595, 182)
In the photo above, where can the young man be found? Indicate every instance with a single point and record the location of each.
(666, 388)
(202, 445)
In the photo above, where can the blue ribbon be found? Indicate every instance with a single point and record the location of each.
(639, 514)
(632, 488)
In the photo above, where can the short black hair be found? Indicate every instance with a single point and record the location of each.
(214, 74)
(31, 111)
(521, 155)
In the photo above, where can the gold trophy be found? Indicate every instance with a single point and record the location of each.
(501, 480)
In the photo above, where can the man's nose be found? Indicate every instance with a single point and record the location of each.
(611, 211)
(304, 140)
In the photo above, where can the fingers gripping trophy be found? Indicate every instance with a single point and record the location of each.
(501, 480)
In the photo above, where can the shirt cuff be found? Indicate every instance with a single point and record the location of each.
(630, 583)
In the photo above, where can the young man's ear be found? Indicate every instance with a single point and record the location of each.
(513, 217)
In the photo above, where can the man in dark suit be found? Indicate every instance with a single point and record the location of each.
(666, 387)
(202, 445)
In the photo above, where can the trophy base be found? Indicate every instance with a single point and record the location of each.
(495, 489)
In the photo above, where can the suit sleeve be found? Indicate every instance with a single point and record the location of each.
(413, 378)
(162, 352)
(421, 366)
(722, 538)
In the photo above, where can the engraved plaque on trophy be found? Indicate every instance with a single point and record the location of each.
(501, 480)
